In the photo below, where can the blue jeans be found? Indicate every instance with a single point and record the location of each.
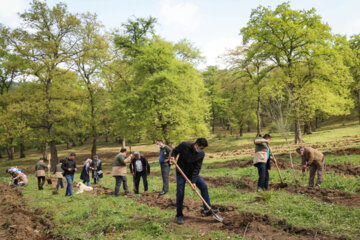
(263, 181)
(69, 179)
(87, 182)
(180, 190)
(59, 183)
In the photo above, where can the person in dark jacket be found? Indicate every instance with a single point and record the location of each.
(96, 169)
(139, 168)
(59, 174)
(40, 168)
(69, 167)
(85, 172)
(165, 151)
(190, 161)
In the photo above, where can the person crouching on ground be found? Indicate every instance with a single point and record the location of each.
(96, 169)
(18, 177)
(59, 174)
(40, 168)
(190, 161)
(313, 159)
(164, 165)
(139, 168)
(85, 172)
(262, 159)
(119, 171)
(69, 167)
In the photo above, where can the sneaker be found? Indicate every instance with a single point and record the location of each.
(180, 220)
(209, 213)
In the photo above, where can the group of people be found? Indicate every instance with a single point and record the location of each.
(311, 159)
(190, 158)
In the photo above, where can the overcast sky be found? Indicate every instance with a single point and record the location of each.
(211, 25)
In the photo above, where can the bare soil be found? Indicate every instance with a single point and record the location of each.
(17, 222)
(249, 225)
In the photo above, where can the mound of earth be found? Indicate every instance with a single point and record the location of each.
(324, 194)
(345, 168)
(346, 151)
(17, 222)
(249, 225)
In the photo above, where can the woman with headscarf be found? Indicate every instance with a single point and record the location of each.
(85, 176)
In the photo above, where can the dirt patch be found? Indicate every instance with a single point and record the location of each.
(16, 222)
(238, 163)
(343, 152)
(324, 194)
(250, 225)
(242, 184)
(346, 169)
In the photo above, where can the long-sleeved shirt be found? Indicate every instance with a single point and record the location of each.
(69, 164)
(164, 153)
(190, 161)
(40, 166)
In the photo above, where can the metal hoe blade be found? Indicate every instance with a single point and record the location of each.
(217, 217)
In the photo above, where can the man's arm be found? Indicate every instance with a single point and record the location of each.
(131, 167)
(147, 166)
(197, 167)
(64, 166)
(260, 140)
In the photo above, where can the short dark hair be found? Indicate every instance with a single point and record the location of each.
(73, 154)
(267, 136)
(202, 142)
(61, 161)
(122, 150)
(159, 140)
(41, 158)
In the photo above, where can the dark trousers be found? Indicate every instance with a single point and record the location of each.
(313, 169)
(118, 180)
(41, 182)
(59, 183)
(180, 191)
(137, 178)
(263, 181)
(165, 171)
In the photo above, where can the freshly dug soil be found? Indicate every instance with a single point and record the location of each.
(249, 225)
(16, 222)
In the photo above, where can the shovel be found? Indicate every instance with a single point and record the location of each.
(216, 217)
(282, 184)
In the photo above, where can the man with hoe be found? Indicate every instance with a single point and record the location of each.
(190, 162)
(313, 159)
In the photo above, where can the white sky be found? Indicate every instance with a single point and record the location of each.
(212, 25)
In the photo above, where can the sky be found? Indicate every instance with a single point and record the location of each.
(213, 26)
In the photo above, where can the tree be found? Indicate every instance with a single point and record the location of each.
(355, 69)
(93, 49)
(289, 38)
(47, 41)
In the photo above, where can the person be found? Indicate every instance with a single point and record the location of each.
(96, 169)
(59, 174)
(40, 168)
(165, 151)
(262, 159)
(69, 167)
(190, 162)
(313, 159)
(14, 172)
(139, 168)
(85, 172)
(119, 171)
(21, 179)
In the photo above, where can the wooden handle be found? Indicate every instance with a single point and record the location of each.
(277, 167)
(187, 179)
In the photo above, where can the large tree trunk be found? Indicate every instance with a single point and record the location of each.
(106, 139)
(93, 123)
(68, 146)
(123, 144)
(258, 123)
(54, 157)
(10, 152)
(22, 150)
(298, 136)
(241, 131)
(0, 153)
(44, 150)
(93, 149)
(307, 127)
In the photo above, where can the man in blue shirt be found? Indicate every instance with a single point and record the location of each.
(164, 165)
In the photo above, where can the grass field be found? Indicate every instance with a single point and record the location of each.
(332, 213)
